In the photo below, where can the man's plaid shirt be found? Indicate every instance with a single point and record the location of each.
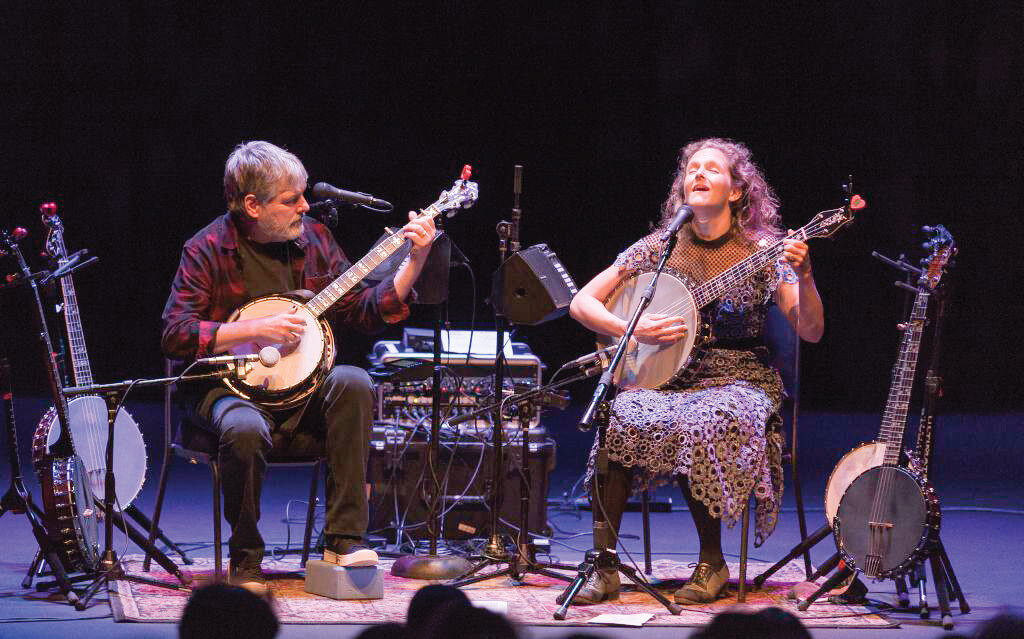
(209, 286)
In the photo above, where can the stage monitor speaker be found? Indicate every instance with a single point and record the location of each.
(532, 287)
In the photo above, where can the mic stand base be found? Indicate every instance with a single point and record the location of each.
(520, 562)
(596, 559)
(110, 570)
(437, 567)
(604, 558)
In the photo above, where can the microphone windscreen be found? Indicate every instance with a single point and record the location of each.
(269, 356)
(322, 190)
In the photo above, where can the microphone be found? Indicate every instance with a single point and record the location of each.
(683, 215)
(598, 359)
(268, 356)
(323, 190)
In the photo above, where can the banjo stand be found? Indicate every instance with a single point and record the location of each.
(946, 585)
(18, 499)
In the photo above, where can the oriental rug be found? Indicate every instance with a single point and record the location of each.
(531, 602)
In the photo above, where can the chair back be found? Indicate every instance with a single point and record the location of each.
(784, 349)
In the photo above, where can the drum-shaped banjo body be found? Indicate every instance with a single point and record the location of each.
(887, 520)
(302, 365)
(654, 365)
(89, 427)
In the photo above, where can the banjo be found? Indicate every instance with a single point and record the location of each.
(304, 365)
(888, 515)
(872, 454)
(87, 414)
(69, 512)
(654, 365)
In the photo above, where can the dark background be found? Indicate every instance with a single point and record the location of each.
(124, 116)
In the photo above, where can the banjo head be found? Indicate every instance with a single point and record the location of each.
(851, 466)
(653, 365)
(88, 417)
(300, 363)
(885, 537)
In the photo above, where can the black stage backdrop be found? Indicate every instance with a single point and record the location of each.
(124, 115)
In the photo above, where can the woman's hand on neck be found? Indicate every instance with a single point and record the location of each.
(711, 224)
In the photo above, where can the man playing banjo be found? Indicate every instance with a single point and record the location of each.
(264, 245)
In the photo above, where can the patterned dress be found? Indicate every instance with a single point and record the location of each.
(719, 428)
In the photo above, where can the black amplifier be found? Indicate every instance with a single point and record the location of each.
(400, 484)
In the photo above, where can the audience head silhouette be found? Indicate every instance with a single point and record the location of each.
(456, 619)
(770, 623)
(426, 603)
(220, 610)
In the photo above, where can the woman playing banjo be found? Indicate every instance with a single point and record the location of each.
(710, 433)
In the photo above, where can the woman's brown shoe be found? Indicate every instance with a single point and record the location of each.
(704, 586)
(603, 585)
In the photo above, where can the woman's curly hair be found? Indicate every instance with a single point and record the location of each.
(755, 212)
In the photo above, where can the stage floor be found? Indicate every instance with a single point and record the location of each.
(982, 517)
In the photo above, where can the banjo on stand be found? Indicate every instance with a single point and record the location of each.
(87, 415)
(69, 511)
(887, 515)
(654, 365)
(304, 365)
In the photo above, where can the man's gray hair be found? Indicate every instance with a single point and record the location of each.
(256, 167)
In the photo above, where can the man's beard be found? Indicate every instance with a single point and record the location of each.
(278, 232)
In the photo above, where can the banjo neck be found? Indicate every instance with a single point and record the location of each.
(462, 195)
(824, 224)
(80, 367)
(894, 419)
(334, 291)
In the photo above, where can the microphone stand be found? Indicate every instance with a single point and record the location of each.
(520, 561)
(599, 409)
(110, 568)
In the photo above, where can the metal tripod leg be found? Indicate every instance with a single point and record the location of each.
(799, 549)
(155, 533)
(902, 596)
(34, 570)
(142, 542)
(921, 580)
(829, 584)
(938, 574)
(953, 586)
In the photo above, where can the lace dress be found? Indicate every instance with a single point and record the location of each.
(715, 429)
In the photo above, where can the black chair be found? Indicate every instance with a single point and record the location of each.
(182, 438)
(784, 347)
